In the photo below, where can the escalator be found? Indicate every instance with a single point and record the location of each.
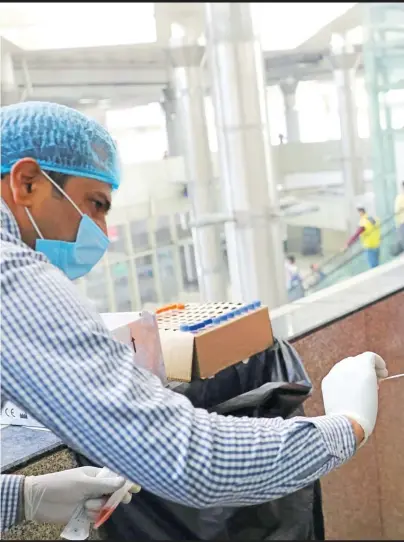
(353, 261)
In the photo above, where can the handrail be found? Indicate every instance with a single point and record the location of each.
(343, 256)
(346, 262)
(340, 254)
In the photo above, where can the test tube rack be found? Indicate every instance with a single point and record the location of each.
(222, 333)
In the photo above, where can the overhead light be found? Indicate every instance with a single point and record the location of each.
(86, 101)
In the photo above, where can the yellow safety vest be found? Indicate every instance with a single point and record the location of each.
(371, 237)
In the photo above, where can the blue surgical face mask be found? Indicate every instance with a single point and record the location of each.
(76, 258)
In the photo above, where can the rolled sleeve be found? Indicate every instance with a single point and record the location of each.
(338, 436)
(11, 493)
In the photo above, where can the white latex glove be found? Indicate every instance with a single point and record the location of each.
(351, 389)
(52, 498)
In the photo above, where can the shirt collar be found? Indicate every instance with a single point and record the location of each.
(7, 220)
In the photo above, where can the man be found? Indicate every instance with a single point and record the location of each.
(61, 364)
(294, 281)
(370, 236)
(399, 213)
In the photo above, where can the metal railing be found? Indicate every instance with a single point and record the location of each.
(352, 261)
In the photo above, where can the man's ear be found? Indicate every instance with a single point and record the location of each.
(26, 182)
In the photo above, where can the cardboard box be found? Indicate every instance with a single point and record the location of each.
(202, 354)
(137, 330)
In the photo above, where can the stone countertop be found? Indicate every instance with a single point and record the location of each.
(20, 445)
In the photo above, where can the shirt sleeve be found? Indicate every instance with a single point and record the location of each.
(355, 236)
(11, 490)
(61, 364)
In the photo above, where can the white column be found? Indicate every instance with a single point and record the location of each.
(169, 106)
(254, 239)
(288, 88)
(344, 61)
(188, 82)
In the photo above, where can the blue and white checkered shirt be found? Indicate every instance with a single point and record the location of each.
(62, 365)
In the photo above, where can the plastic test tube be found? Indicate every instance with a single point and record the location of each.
(112, 503)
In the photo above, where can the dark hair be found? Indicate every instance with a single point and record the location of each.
(361, 210)
(291, 258)
(59, 178)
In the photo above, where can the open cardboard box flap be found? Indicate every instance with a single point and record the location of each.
(178, 350)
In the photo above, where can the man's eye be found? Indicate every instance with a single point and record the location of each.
(99, 205)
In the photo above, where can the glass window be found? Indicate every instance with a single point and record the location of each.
(118, 248)
(276, 113)
(181, 225)
(96, 285)
(37, 25)
(162, 231)
(139, 231)
(146, 279)
(188, 267)
(168, 279)
(121, 280)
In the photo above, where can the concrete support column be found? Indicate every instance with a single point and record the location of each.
(254, 238)
(169, 106)
(188, 82)
(344, 61)
(288, 88)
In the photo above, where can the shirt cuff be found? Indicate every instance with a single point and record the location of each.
(12, 490)
(338, 435)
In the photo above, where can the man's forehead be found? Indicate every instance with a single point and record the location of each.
(85, 185)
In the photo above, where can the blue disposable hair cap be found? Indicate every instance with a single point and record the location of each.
(60, 139)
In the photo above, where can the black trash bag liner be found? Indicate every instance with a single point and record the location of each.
(272, 383)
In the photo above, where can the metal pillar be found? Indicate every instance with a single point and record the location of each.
(169, 106)
(186, 58)
(344, 61)
(383, 61)
(288, 88)
(254, 238)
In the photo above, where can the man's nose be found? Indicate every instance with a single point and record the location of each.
(103, 225)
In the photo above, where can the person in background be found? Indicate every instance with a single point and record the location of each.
(294, 281)
(317, 272)
(61, 364)
(370, 236)
(399, 216)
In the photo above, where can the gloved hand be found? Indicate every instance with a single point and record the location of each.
(351, 389)
(52, 498)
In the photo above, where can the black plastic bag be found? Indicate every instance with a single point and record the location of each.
(272, 383)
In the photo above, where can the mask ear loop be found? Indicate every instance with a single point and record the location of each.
(33, 223)
(62, 192)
